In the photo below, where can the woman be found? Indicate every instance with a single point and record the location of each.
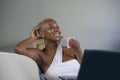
(53, 59)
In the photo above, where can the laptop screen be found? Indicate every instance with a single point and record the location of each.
(100, 65)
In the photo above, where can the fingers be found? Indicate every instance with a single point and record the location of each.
(68, 39)
(33, 32)
(74, 43)
(36, 28)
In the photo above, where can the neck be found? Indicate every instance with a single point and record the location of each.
(51, 47)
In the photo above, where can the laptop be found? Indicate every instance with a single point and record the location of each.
(100, 65)
(67, 77)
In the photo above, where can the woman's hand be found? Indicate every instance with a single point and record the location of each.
(75, 46)
(33, 34)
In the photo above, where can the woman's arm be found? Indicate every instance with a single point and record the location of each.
(74, 44)
(22, 47)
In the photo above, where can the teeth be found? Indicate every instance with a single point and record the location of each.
(57, 34)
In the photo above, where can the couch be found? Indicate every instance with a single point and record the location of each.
(17, 67)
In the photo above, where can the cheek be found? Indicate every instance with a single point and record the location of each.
(49, 31)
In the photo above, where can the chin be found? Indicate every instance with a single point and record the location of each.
(57, 38)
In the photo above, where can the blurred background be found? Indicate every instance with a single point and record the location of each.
(94, 23)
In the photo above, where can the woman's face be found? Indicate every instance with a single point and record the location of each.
(51, 31)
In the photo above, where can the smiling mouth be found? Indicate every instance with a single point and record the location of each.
(56, 34)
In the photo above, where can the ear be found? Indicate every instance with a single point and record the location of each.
(42, 34)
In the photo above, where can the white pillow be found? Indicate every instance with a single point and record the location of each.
(17, 67)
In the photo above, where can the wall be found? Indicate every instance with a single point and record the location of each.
(95, 23)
